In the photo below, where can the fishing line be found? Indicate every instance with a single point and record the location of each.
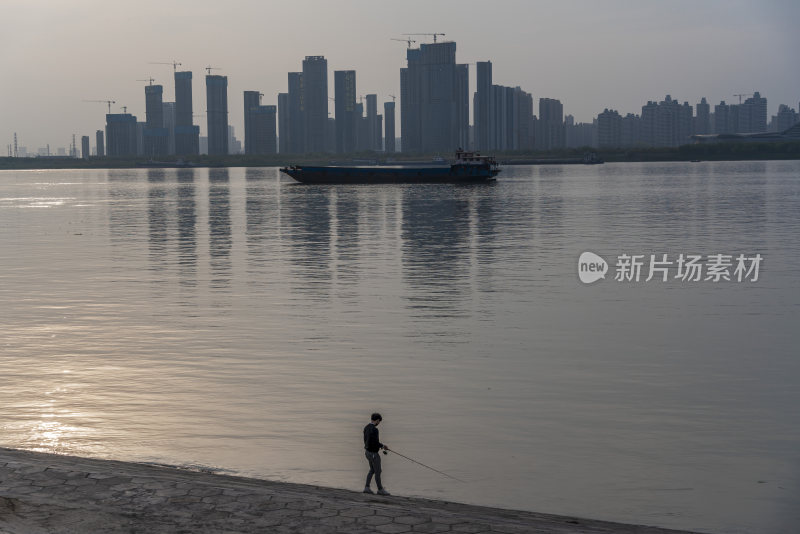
(427, 466)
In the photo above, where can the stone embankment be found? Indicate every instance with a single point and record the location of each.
(46, 493)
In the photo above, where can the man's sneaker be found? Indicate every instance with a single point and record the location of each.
(383, 492)
(367, 490)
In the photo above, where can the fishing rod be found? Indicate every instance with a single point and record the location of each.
(423, 465)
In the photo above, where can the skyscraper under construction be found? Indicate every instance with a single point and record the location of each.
(187, 135)
(434, 99)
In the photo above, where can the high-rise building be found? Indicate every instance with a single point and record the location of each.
(362, 129)
(187, 135)
(785, 119)
(283, 123)
(263, 136)
(462, 106)
(609, 129)
(735, 119)
(295, 137)
(169, 125)
(503, 116)
(217, 114)
(121, 134)
(510, 118)
(702, 123)
(631, 130)
(183, 98)
(389, 135)
(483, 106)
(101, 151)
(155, 136)
(330, 135)
(753, 114)
(434, 92)
(234, 144)
(747, 117)
(373, 132)
(666, 119)
(154, 110)
(140, 128)
(315, 102)
(523, 130)
(344, 82)
(722, 123)
(685, 124)
(666, 123)
(252, 101)
(410, 116)
(85, 151)
(580, 134)
(551, 134)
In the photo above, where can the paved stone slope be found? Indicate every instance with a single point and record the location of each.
(45, 493)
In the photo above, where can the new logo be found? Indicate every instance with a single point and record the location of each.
(591, 267)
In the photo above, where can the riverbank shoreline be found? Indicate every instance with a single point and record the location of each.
(733, 151)
(50, 493)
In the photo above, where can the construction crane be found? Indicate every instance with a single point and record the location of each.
(124, 109)
(109, 102)
(151, 80)
(174, 64)
(409, 40)
(434, 35)
(393, 98)
(209, 69)
(741, 95)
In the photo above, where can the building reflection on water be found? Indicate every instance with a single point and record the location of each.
(307, 223)
(347, 237)
(430, 247)
(220, 239)
(158, 214)
(260, 208)
(187, 228)
(436, 252)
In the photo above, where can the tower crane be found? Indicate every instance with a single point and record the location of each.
(151, 80)
(109, 102)
(409, 40)
(210, 68)
(741, 95)
(433, 34)
(173, 63)
(393, 98)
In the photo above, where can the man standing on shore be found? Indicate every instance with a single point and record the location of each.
(373, 446)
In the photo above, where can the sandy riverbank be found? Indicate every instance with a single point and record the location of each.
(46, 493)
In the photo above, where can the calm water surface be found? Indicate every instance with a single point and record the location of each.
(230, 319)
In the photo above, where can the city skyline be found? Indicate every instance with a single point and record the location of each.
(578, 53)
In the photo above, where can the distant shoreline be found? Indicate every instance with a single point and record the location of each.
(687, 153)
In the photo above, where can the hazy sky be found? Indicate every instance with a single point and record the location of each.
(589, 54)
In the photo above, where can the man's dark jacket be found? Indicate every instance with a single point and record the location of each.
(371, 440)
